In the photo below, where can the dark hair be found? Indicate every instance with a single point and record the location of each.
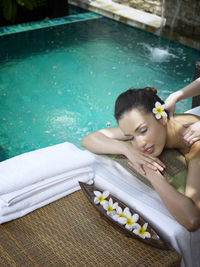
(144, 99)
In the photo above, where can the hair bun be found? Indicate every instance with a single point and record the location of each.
(151, 89)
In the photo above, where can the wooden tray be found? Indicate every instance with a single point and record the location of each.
(154, 240)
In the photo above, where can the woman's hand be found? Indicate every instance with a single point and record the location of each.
(138, 160)
(192, 132)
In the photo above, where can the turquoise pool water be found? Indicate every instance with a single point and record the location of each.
(59, 83)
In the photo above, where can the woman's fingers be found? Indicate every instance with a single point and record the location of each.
(155, 164)
(141, 160)
(159, 162)
(152, 163)
(138, 168)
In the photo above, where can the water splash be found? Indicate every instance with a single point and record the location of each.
(158, 54)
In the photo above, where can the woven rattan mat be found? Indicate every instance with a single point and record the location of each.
(175, 172)
(70, 232)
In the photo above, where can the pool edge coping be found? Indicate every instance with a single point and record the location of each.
(29, 26)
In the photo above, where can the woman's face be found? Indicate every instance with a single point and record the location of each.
(147, 134)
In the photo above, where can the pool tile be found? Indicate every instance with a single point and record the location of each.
(48, 23)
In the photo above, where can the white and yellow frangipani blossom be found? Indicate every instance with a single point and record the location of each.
(100, 197)
(110, 207)
(141, 231)
(130, 220)
(159, 110)
(119, 213)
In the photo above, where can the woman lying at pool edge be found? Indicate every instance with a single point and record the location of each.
(146, 125)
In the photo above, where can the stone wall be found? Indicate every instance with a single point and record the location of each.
(185, 15)
(182, 17)
(151, 6)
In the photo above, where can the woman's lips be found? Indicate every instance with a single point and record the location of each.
(150, 149)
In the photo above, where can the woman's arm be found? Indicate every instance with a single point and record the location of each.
(184, 208)
(111, 141)
(105, 141)
(190, 90)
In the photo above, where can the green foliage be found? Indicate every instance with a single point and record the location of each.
(29, 4)
(9, 8)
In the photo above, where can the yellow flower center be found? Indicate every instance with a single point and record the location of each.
(159, 110)
(141, 231)
(129, 221)
(110, 208)
(101, 198)
(121, 214)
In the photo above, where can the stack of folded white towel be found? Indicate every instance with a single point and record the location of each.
(34, 179)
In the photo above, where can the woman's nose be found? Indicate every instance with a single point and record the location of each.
(140, 142)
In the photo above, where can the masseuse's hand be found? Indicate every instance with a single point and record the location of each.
(170, 104)
(192, 132)
(137, 160)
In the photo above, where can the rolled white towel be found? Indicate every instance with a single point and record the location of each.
(32, 167)
(37, 195)
(42, 186)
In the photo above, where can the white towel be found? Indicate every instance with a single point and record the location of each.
(195, 111)
(34, 189)
(113, 177)
(37, 178)
(43, 197)
(29, 168)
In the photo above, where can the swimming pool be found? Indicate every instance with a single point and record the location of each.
(59, 83)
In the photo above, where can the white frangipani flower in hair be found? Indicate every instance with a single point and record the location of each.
(100, 197)
(141, 231)
(159, 110)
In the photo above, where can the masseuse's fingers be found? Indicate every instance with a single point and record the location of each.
(192, 139)
(192, 133)
(187, 130)
(170, 103)
(171, 115)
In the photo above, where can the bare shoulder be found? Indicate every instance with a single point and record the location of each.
(186, 118)
(194, 152)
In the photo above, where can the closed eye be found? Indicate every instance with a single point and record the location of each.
(143, 130)
(131, 138)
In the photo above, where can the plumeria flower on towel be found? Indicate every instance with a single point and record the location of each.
(100, 197)
(130, 220)
(119, 213)
(110, 207)
(159, 110)
(141, 231)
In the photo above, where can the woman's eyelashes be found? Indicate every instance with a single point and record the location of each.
(143, 130)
